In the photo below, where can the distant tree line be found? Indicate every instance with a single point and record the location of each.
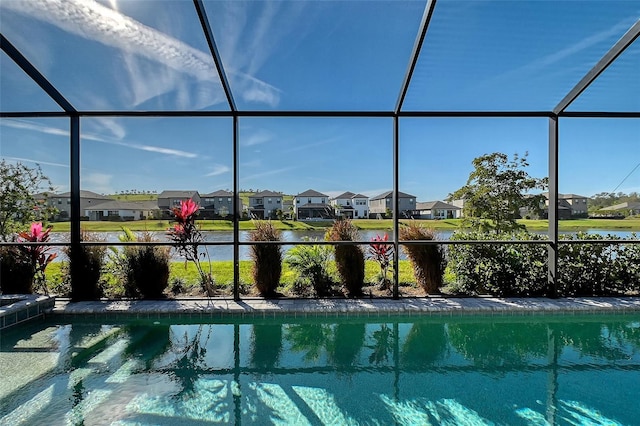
(606, 199)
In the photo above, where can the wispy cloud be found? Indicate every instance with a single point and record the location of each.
(313, 144)
(98, 182)
(257, 138)
(36, 127)
(539, 64)
(94, 21)
(218, 169)
(269, 173)
(32, 160)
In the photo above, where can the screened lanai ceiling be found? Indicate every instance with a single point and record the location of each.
(116, 55)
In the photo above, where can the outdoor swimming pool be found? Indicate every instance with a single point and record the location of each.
(529, 370)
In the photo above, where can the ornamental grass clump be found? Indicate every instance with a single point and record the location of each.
(146, 268)
(85, 268)
(187, 238)
(427, 260)
(349, 258)
(267, 258)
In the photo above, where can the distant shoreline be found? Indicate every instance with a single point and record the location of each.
(632, 225)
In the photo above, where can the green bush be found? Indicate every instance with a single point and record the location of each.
(312, 265)
(427, 260)
(349, 258)
(146, 267)
(267, 258)
(85, 268)
(498, 269)
(16, 271)
(595, 269)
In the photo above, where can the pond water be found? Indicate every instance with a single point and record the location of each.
(536, 370)
(226, 252)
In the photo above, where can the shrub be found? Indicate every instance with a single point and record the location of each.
(16, 272)
(85, 267)
(312, 264)
(427, 260)
(267, 258)
(349, 258)
(593, 269)
(383, 255)
(498, 269)
(146, 267)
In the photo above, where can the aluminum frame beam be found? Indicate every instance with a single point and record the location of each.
(35, 75)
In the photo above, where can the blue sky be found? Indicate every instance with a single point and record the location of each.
(313, 55)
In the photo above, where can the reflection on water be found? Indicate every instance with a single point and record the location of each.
(455, 370)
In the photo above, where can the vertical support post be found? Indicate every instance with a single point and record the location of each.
(396, 206)
(236, 214)
(552, 278)
(74, 186)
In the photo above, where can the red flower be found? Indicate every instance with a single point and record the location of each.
(186, 211)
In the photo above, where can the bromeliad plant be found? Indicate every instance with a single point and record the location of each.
(38, 257)
(187, 237)
(383, 254)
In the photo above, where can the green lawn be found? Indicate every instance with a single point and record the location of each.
(223, 275)
(630, 224)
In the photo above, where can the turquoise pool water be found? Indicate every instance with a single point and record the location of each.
(532, 370)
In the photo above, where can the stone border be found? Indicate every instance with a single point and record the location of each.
(271, 308)
(25, 307)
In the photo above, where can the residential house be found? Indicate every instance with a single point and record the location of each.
(122, 210)
(312, 204)
(625, 209)
(380, 204)
(287, 208)
(437, 210)
(350, 205)
(62, 202)
(265, 205)
(170, 199)
(218, 204)
(569, 206)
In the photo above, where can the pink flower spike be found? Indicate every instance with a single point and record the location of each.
(188, 208)
(36, 229)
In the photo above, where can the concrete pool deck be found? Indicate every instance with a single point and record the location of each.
(270, 308)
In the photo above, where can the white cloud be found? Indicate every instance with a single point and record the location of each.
(218, 169)
(36, 127)
(30, 160)
(182, 62)
(257, 138)
(268, 173)
(97, 182)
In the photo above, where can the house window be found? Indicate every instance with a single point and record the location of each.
(229, 199)
(297, 201)
(269, 200)
(220, 199)
(322, 201)
(59, 201)
(308, 200)
(411, 200)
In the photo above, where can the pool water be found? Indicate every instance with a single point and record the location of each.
(532, 370)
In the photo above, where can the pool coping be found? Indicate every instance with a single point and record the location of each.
(271, 308)
(23, 308)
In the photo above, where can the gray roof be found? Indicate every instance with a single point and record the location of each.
(624, 206)
(265, 194)
(389, 194)
(125, 205)
(311, 193)
(430, 205)
(359, 196)
(565, 196)
(178, 194)
(344, 196)
(218, 193)
(83, 194)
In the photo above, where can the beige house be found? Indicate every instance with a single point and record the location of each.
(437, 210)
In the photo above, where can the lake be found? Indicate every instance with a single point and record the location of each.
(226, 252)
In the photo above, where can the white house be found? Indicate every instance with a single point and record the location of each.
(312, 204)
(437, 210)
(350, 205)
(122, 210)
